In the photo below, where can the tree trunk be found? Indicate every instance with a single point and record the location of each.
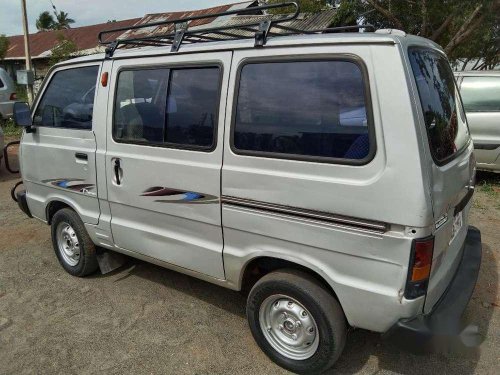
(387, 14)
(441, 29)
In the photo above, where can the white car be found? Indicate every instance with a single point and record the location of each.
(481, 97)
(7, 95)
(2, 143)
(7, 100)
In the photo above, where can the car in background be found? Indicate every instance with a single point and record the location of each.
(480, 91)
(1, 145)
(7, 95)
(7, 99)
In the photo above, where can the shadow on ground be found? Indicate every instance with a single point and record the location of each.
(362, 346)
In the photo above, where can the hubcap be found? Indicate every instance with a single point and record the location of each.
(289, 327)
(68, 244)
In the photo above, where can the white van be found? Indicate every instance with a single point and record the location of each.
(329, 175)
(481, 98)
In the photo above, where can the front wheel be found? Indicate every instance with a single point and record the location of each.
(296, 322)
(73, 247)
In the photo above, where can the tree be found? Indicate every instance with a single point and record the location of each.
(63, 50)
(45, 22)
(464, 28)
(62, 20)
(4, 46)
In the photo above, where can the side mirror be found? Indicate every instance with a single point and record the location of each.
(22, 115)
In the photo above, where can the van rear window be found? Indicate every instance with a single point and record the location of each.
(304, 110)
(443, 112)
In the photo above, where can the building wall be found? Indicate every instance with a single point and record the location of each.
(40, 66)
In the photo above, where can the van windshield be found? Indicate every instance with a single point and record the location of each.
(444, 117)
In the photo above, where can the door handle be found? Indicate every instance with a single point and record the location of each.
(118, 171)
(81, 156)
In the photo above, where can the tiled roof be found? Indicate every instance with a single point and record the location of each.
(85, 37)
(304, 21)
(160, 17)
(41, 43)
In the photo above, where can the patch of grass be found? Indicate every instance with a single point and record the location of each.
(489, 183)
(10, 129)
(487, 188)
(478, 205)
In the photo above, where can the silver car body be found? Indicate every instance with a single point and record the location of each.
(481, 97)
(7, 89)
(2, 143)
(352, 225)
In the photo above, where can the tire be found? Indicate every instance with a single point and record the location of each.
(66, 223)
(273, 293)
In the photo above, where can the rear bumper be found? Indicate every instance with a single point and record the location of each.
(445, 320)
(22, 202)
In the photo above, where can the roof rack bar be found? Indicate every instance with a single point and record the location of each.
(205, 16)
(225, 33)
(178, 31)
(261, 34)
(344, 28)
(201, 37)
(179, 35)
(291, 29)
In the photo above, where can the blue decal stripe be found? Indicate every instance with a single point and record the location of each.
(190, 196)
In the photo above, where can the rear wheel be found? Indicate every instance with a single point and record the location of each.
(296, 321)
(73, 247)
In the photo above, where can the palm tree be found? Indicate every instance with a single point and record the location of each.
(45, 22)
(63, 21)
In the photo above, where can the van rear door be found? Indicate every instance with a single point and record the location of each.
(450, 163)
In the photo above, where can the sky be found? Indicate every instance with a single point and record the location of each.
(90, 12)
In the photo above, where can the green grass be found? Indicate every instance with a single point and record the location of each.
(476, 204)
(487, 188)
(10, 129)
(490, 185)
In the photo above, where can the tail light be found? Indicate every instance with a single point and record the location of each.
(419, 269)
(13, 96)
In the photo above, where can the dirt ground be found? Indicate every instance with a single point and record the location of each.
(143, 319)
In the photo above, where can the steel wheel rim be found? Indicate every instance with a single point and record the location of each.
(68, 244)
(289, 327)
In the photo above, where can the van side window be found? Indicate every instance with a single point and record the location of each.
(68, 101)
(481, 94)
(303, 108)
(171, 107)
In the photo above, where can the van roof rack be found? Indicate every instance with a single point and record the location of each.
(260, 30)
